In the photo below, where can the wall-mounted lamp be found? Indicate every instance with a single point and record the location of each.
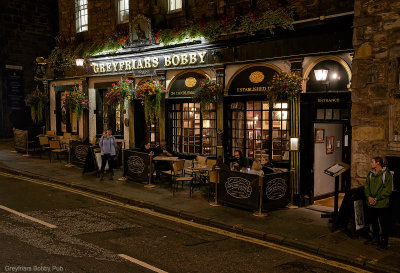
(294, 144)
(79, 61)
(321, 74)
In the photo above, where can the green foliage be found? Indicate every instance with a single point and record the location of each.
(76, 101)
(208, 92)
(151, 94)
(284, 86)
(37, 100)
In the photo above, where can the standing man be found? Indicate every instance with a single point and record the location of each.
(378, 189)
(108, 145)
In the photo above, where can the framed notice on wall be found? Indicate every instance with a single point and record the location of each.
(330, 144)
(319, 135)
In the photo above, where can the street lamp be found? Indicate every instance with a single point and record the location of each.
(321, 74)
(79, 61)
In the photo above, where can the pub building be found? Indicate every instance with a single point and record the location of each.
(319, 49)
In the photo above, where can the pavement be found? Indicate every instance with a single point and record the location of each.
(300, 228)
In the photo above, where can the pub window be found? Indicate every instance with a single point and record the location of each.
(153, 133)
(107, 117)
(256, 126)
(81, 14)
(280, 132)
(190, 130)
(123, 11)
(175, 5)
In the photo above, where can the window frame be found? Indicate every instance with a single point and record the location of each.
(118, 11)
(174, 10)
(80, 27)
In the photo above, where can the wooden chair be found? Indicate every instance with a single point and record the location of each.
(201, 160)
(178, 176)
(66, 136)
(44, 144)
(75, 137)
(55, 147)
(50, 133)
(211, 162)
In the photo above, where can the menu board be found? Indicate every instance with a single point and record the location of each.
(15, 89)
(20, 140)
(336, 169)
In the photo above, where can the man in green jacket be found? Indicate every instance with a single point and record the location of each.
(378, 189)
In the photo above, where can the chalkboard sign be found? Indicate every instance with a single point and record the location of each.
(239, 189)
(79, 152)
(276, 190)
(15, 89)
(136, 165)
(20, 140)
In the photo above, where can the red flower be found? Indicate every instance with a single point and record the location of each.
(105, 42)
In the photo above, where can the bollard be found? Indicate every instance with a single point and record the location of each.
(216, 203)
(123, 178)
(259, 213)
(69, 165)
(291, 206)
(150, 174)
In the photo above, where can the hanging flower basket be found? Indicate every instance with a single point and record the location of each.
(150, 92)
(76, 101)
(37, 100)
(208, 92)
(120, 91)
(284, 87)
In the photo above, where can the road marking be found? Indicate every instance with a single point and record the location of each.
(28, 217)
(146, 265)
(230, 234)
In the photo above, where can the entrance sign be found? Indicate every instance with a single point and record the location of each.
(186, 84)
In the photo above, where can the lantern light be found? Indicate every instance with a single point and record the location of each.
(321, 74)
(79, 61)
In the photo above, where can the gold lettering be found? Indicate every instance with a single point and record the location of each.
(128, 65)
(175, 60)
(121, 66)
(96, 68)
(184, 59)
(102, 69)
(193, 58)
(167, 61)
(139, 64)
(147, 63)
(202, 55)
(154, 61)
(108, 66)
(115, 66)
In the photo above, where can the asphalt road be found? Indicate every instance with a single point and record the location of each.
(82, 234)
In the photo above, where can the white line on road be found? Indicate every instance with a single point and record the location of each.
(28, 217)
(136, 261)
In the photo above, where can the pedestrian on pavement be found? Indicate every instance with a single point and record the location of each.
(378, 188)
(108, 146)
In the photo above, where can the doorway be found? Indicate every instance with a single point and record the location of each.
(327, 151)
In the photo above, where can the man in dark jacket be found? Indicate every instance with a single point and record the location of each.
(239, 161)
(378, 189)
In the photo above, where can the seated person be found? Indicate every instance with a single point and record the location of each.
(220, 164)
(267, 166)
(239, 161)
(145, 148)
(256, 168)
(163, 149)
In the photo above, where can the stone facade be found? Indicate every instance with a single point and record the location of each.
(376, 110)
(102, 15)
(27, 31)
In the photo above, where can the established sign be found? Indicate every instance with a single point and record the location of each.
(147, 64)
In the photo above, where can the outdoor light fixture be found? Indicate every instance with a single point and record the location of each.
(79, 61)
(294, 144)
(321, 74)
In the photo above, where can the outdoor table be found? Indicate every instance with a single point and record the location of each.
(165, 158)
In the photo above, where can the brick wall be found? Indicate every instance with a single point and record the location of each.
(375, 113)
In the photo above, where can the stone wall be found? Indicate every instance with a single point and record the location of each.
(27, 31)
(102, 15)
(375, 111)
